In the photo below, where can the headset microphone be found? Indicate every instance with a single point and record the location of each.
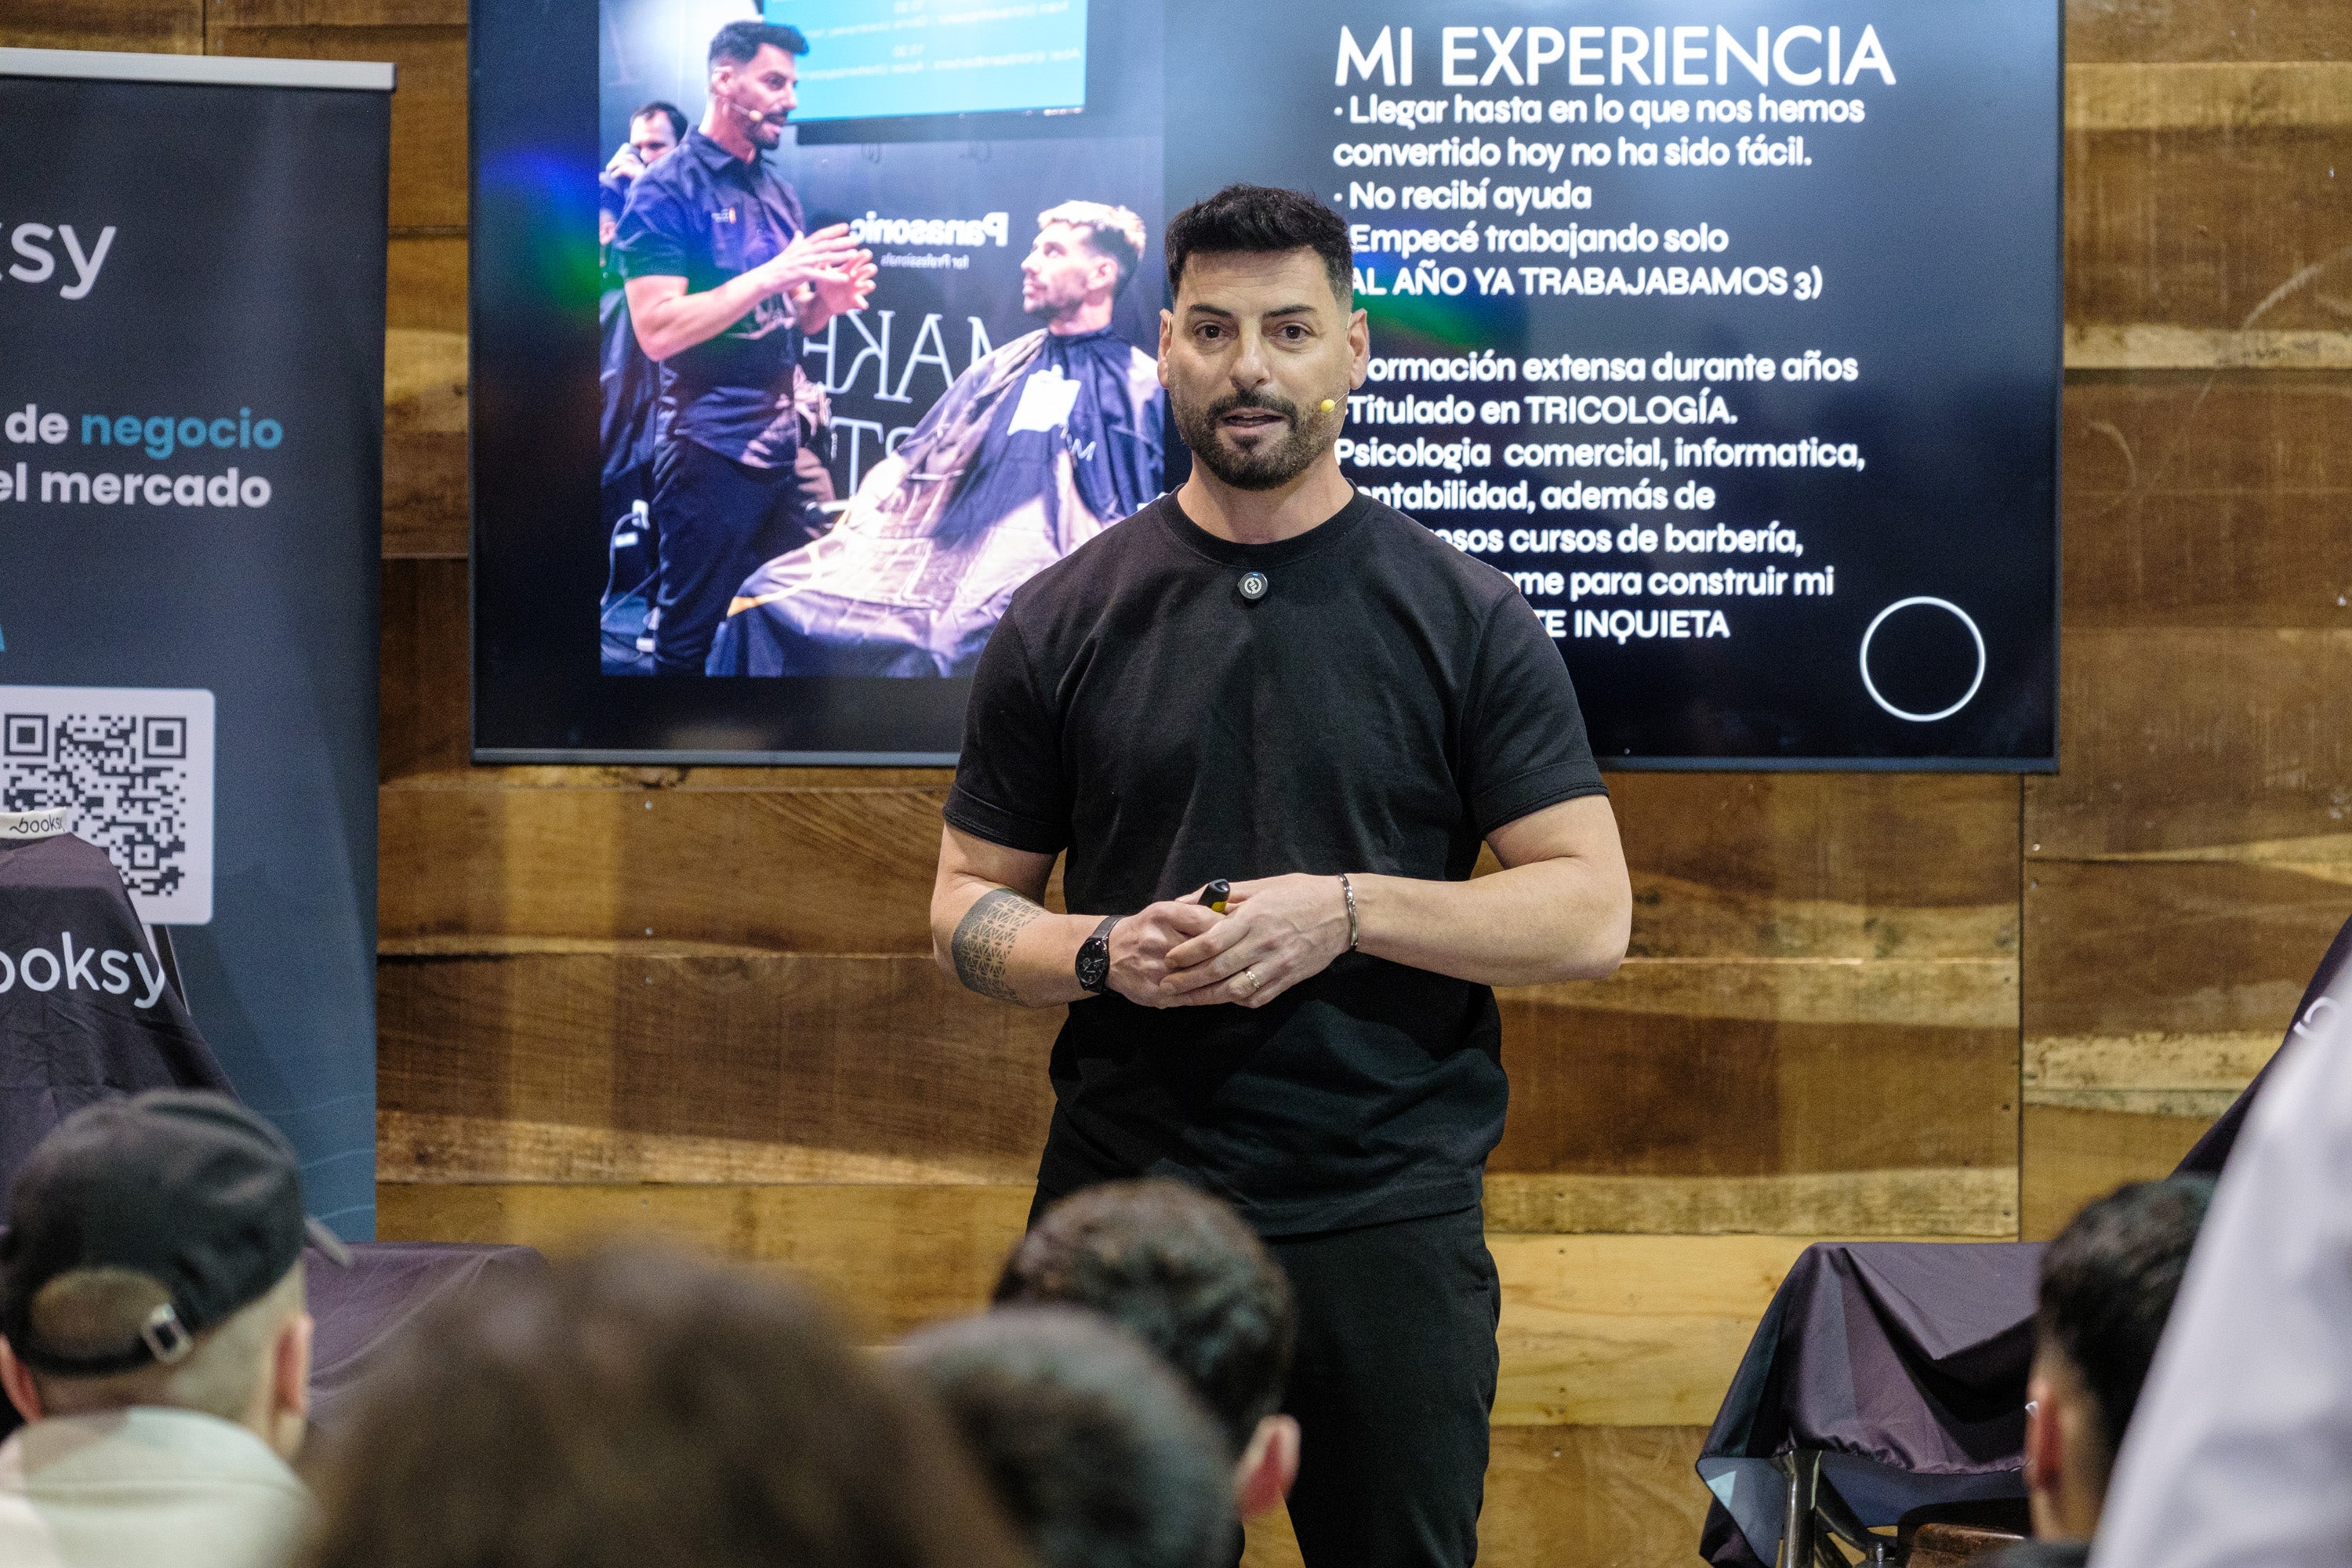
(750, 116)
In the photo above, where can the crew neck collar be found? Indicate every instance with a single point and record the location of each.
(145, 1443)
(1232, 553)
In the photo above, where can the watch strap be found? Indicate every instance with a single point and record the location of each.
(1098, 945)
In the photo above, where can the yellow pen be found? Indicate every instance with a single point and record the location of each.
(1215, 894)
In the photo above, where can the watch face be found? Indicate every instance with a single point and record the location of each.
(1094, 963)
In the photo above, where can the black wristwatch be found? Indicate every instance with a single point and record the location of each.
(1094, 957)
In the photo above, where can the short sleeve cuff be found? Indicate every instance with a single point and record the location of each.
(972, 814)
(646, 260)
(1531, 791)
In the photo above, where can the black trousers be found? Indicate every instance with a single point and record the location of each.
(1393, 1385)
(719, 520)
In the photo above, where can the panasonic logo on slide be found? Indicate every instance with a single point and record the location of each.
(73, 968)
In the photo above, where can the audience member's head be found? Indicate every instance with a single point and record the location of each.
(1180, 1270)
(1101, 1454)
(640, 1407)
(153, 1256)
(655, 129)
(2107, 1284)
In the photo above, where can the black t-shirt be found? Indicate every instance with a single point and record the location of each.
(1385, 705)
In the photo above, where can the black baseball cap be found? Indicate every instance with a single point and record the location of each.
(190, 1188)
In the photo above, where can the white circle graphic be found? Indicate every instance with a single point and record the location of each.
(1941, 713)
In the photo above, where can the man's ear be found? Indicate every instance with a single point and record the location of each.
(18, 1381)
(1262, 1479)
(2041, 1435)
(1167, 336)
(292, 1359)
(286, 1412)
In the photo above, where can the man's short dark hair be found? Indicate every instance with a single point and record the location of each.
(1259, 219)
(638, 1406)
(670, 112)
(1179, 1270)
(1096, 1451)
(738, 43)
(2107, 1285)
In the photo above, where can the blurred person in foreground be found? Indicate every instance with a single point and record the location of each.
(1036, 449)
(2244, 1441)
(635, 1408)
(1101, 1455)
(155, 1341)
(2107, 1286)
(1179, 1269)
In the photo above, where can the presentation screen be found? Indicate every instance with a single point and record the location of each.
(1731, 336)
(876, 60)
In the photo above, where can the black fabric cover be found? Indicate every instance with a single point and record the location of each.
(360, 1310)
(1905, 1364)
(63, 1048)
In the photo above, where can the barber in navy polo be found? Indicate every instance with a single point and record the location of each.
(724, 281)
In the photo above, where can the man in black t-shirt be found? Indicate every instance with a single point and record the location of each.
(724, 279)
(1269, 679)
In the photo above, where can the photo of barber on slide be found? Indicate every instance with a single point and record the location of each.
(853, 393)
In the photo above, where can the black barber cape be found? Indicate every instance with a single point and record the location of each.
(1381, 707)
(85, 1012)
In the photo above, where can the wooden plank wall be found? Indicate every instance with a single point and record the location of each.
(2189, 862)
(1945, 1007)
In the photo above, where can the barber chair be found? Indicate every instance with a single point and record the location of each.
(63, 1049)
(1885, 1386)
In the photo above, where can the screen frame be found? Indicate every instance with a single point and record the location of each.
(543, 116)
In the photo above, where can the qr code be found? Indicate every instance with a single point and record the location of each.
(133, 768)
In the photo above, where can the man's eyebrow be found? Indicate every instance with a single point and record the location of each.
(1200, 309)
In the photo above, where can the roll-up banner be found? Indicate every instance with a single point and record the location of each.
(192, 276)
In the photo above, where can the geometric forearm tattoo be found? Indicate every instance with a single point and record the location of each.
(983, 941)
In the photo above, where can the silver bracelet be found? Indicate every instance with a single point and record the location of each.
(1347, 891)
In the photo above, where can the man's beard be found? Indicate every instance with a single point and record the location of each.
(1050, 306)
(1270, 465)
